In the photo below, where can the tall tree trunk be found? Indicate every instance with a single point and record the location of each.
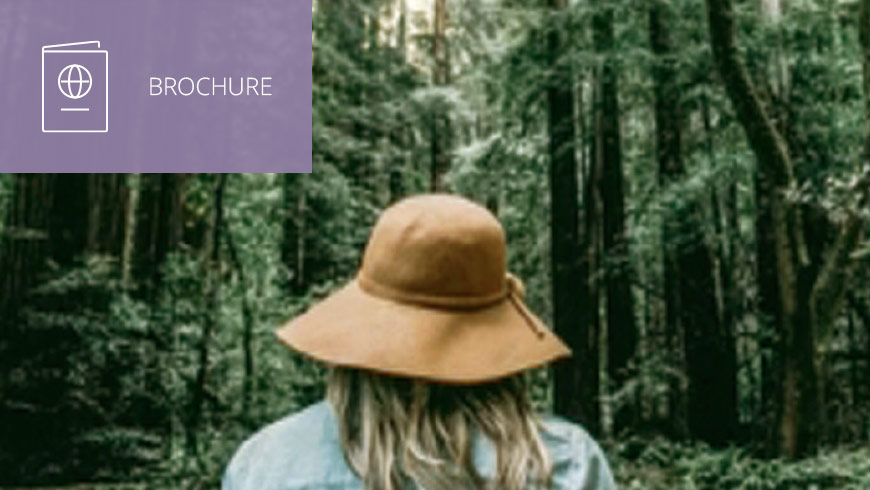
(576, 379)
(70, 217)
(670, 170)
(403, 29)
(440, 123)
(723, 333)
(293, 241)
(24, 251)
(858, 305)
(128, 249)
(155, 228)
(26, 240)
(864, 34)
(690, 284)
(711, 363)
(809, 296)
(400, 131)
(160, 226)
(212, 270)
(58, 217)
(590, 266)
(769, 313)
(729, 240)
(797, 400)
(621, 329)
(107, 196)
(247, 320)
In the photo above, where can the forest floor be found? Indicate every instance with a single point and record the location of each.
(661, 465)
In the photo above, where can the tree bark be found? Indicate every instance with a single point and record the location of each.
(590, 268)
(621, 329)
(247, 321)
(399, 135)
(108, 201)
(670, 168)
(26, 240)
(864, 35)
(159, 227)
(690, 283)
(212, 270)
(859, 306)
(293, 240)
(797, 400)
(128, 249)
(440, 123)
(576, 379)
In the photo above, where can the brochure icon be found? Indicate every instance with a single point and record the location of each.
(75, 88)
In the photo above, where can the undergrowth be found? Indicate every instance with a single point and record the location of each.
(664, 465)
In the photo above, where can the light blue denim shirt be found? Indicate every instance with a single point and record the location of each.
(302, 452)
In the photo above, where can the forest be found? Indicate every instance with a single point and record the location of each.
(685, 188)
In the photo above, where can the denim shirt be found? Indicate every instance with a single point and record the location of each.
(302, 452)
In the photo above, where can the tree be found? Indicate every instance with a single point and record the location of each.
(440, 130)
(211, 265)
(26, 239)
(56, 219)
(806, 300)
(293, 242)
(576, 380)
(864, 36)
(689, 275)
(621, 329)
(158, 228)
(55, 224)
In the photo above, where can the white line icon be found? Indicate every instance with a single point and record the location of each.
(75, 88)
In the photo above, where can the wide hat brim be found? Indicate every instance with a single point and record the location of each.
(357, 329)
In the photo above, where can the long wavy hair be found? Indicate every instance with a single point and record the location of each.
(395, 431)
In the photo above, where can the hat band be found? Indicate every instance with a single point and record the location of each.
(387, 292)
(513, 292)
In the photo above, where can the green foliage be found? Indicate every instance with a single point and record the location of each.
(662, 465)
(88, 358)
(5, 196)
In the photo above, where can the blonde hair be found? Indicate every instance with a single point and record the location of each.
(395, 431)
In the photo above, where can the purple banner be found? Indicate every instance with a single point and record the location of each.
(155, 86)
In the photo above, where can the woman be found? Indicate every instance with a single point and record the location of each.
(427, 347)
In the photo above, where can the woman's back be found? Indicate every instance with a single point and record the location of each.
(303, 452)
(427, 347)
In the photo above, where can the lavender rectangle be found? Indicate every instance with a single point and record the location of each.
(262, 46)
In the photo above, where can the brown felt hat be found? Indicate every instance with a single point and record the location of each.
(432, 299)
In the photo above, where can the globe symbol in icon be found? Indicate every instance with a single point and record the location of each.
(74, 81)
